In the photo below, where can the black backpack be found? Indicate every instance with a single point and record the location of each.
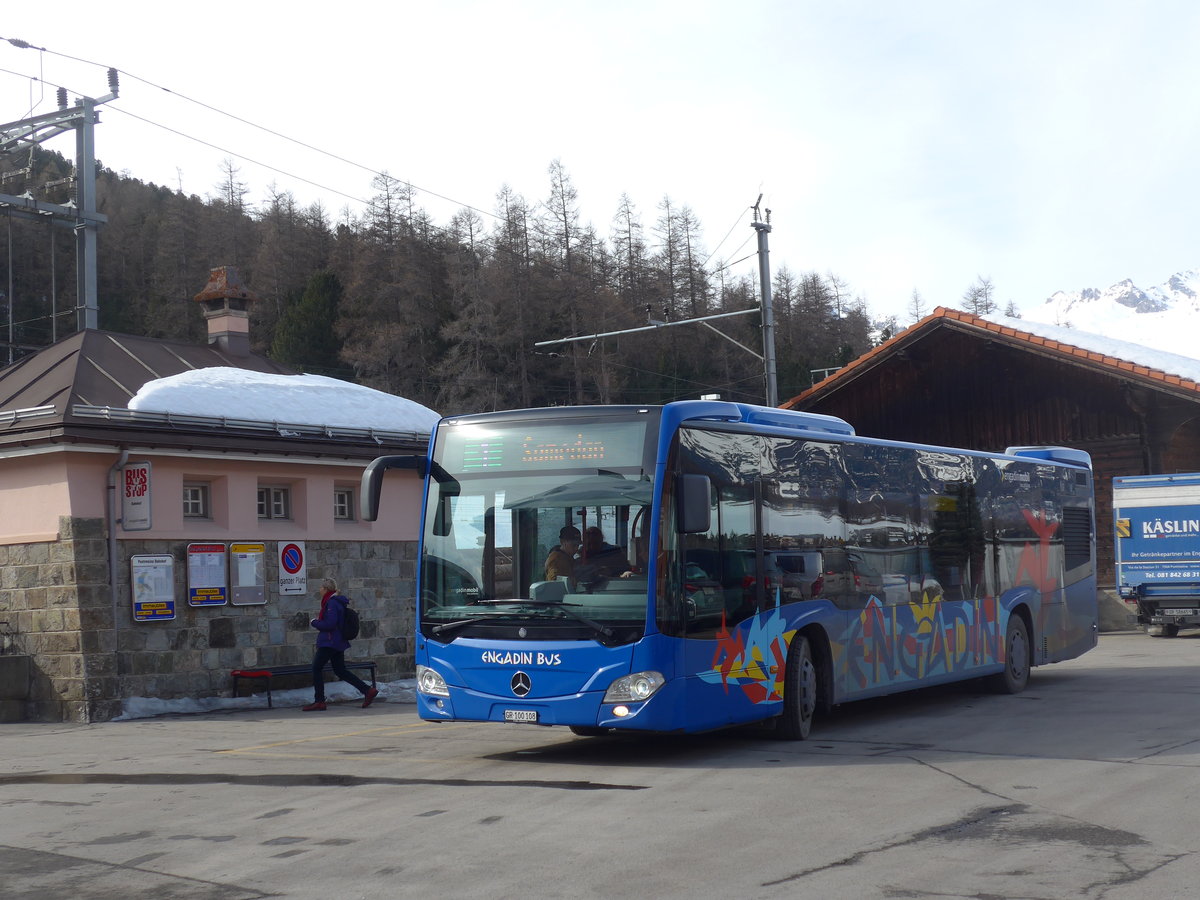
(349, 622)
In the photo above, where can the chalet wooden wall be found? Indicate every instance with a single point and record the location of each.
(963, 389)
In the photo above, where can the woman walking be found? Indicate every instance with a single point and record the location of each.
(332, 647)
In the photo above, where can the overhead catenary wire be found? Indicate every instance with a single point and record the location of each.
(17, 42)
(232, 153)
(300, 143)
(23, 44)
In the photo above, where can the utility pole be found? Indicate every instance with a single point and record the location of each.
(768, 310)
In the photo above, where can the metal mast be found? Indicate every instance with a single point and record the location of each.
(768, 311)
(80, 215)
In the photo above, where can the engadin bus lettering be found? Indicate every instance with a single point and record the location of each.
(521, 659)
(705, 564)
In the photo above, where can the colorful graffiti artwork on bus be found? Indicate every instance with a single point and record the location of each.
(752, 657)
(910, 641)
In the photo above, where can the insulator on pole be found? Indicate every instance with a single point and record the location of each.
(114, 84)
(62, 98)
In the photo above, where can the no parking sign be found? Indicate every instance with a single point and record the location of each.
(293, 578)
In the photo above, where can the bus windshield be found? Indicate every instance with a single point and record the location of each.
(536, 531)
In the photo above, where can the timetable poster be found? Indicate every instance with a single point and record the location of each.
(247, 574)
(152, 580)
(207, 575)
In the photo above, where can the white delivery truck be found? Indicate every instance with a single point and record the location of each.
(1157, 547)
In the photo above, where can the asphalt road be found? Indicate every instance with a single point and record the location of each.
(1084, 786)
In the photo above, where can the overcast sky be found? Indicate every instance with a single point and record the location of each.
(900, 145)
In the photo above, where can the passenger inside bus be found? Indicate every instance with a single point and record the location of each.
(561, 560)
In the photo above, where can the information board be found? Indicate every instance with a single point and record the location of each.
(152, 583)
(247, 574)
(207, 573)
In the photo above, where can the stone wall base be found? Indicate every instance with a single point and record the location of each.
(86, 654)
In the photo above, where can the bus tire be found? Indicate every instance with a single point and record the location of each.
(1017, 654)
(800, 692)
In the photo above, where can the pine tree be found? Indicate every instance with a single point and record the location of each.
(305, 336)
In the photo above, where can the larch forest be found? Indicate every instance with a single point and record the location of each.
(444, 314)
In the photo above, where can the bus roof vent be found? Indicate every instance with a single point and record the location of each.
(1064, 455)
(787, 418)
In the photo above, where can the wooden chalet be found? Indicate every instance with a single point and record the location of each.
(960, 380)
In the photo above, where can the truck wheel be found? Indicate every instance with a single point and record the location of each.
(799, 693)
(1162, 630)
(1016, 659)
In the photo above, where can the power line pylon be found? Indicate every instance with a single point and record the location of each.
(80, 215)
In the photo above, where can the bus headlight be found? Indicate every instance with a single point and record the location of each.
(430, 682)
(634, 688)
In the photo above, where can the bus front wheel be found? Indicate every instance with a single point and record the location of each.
(1016, 659)
(799, 692)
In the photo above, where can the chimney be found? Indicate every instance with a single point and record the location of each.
(225, 300)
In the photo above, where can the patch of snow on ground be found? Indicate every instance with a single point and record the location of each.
(148, 707)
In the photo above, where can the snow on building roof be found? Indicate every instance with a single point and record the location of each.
(296, 399)
(1151, 358)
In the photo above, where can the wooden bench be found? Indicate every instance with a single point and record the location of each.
(266, 673)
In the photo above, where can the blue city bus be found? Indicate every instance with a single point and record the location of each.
(739, 564)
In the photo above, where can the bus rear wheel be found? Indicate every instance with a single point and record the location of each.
(1016, 659)
(799, 693)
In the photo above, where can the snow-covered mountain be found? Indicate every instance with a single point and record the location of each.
(1165, 317)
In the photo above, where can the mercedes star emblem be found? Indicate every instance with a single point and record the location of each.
(520, 684)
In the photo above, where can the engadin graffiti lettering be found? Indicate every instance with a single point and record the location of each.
(892, 644)
(752, 657)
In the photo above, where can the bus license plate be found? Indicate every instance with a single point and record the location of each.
(1177, 612)
(521, 715)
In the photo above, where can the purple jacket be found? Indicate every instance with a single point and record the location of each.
(329, 623)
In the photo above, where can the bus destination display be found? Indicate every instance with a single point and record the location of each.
(524, 449)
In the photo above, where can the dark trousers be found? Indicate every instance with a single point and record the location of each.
(337, 658)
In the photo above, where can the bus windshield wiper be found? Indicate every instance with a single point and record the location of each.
(540, 604)
(558, 605)
(455, 625)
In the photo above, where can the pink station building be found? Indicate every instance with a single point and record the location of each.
(93, 612)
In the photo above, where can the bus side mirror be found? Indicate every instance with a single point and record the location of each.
(372, 481)
(693, 504)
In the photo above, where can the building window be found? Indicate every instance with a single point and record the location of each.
(274, 503)
(196, 501)
(343, 504)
